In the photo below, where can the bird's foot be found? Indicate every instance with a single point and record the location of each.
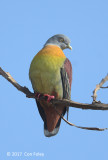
(49, 97)
(38, 95)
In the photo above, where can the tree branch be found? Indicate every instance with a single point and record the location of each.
(104, 87)
(24, 89)
(87, 128)
(98, 86)
(63, 102)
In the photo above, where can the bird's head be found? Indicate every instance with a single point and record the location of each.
(59, 40)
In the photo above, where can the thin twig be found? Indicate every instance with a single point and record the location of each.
(104, 87)
(87, 128)
(98, 86)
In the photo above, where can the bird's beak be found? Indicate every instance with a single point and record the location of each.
(69, 47)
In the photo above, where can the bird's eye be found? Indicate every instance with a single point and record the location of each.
(61, 40)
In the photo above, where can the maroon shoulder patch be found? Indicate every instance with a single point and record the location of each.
(68, 69)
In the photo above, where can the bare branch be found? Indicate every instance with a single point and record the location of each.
(87, 128)
(24, 89)
(61, 102)
(98, 86)
(104, 87)
(69, 103)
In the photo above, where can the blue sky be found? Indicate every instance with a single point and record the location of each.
(24, 28)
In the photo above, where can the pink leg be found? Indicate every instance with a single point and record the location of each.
(49, 97)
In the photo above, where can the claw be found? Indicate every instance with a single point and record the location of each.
(49, 97)
(37, 95)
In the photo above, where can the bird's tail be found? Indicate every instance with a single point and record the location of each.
(50, 117)
(55, 130)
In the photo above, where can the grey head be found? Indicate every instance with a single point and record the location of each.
(59, 40)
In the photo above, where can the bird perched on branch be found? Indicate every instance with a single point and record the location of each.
(51, 75)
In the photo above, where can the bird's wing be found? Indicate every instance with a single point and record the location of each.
(66, 76)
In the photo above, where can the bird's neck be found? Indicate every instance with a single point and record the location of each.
(52, 50)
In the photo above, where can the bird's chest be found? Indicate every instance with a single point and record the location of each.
(46, 77)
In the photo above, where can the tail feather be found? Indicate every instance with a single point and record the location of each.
(51, 119)
(54, 132)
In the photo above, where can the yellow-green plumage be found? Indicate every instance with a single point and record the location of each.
(45, 70)
(51, 75)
